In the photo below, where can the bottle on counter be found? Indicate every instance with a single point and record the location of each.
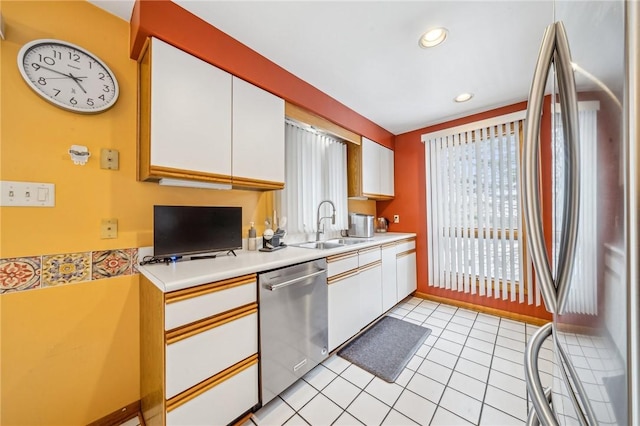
(252, 243)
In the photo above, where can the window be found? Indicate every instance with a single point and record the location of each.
(475, 237)
(315, 170)
(583, 292)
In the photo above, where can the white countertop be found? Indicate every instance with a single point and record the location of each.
(185, 274)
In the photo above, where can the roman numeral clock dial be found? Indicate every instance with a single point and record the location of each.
(68, 76)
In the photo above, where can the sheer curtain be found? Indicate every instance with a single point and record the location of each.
(583, 292)
(315, 170)
(474, 210)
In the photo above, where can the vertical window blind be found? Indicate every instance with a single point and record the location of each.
(315, 170)
(476, 244)
(583, 291)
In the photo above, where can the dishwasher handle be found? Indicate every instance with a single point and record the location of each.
(274, 287)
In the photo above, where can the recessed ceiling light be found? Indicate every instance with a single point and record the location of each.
(463, 97)
(433, 37)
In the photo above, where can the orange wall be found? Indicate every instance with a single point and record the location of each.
(410, 202)
(70, 354)
(171, 23)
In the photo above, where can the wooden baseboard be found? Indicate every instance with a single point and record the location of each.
(120, 416)
(486, 310)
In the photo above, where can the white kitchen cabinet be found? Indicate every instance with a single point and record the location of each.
(200, 123)
(185, 117)
(370, 282)
(389, 279)
(377, 181)
(219, 404)
(344, 308)
(258, 137)
(387, 181)
(406, 275)
(199, 352)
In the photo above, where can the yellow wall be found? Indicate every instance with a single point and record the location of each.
(69, 354)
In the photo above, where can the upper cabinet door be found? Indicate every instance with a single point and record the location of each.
(370, 167)
(386, 171)
(258, 137)
(377, 170)
(190, 115)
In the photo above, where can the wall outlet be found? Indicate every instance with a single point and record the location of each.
(27, 194)
(109, 159)
(396, 218)
(109, 228)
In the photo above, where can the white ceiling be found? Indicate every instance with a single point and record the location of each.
(365, 54)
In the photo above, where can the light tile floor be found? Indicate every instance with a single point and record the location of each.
(469, 371)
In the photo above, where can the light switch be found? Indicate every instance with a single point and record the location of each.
(109, 228)
(109, 159)
(27, 194)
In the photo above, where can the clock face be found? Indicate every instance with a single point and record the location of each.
(68, 76)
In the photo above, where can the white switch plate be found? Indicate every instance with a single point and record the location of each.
(27, 194)
(396, 218)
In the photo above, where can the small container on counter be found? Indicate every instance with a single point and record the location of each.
(252, 242)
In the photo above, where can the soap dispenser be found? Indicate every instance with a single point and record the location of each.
(252, 243)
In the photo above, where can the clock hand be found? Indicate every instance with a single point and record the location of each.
(77, 80)
(56, 71)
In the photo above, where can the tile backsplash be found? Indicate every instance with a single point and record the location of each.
(26, 273)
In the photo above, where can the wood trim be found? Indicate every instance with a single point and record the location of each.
(119, 416)
(388, 245)
(152, 353)
(350, 273)
(250, 183)
(370, 265)
(157, 172)
(379, 197)
(406, 240)
(342, 256)
(354, 170)
(368, 249)
(144, 112)
(189, 293)
(405, 253)
(298, 113)
(486, 310)
(243, 420)
(186, 331)
(210, 383)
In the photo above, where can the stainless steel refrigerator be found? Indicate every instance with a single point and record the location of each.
(589, 64)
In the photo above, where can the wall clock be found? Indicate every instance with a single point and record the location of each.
(68, 76)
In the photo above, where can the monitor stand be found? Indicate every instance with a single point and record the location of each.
(212, 256)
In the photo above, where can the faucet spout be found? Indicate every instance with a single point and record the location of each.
(319, 228)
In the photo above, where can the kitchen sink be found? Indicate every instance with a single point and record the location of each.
(329, 244)
(322, 245)
(346, 241)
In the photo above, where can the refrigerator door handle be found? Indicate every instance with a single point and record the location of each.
(532, 418)
(570, 130)
(580, 392)
(531, 195)
(534, 385)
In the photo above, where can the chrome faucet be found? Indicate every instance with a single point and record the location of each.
(333, 218)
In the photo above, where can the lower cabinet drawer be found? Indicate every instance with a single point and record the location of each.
(220, 403)
(405, 245)
(369, 255)
(198, 354)
(342, 263)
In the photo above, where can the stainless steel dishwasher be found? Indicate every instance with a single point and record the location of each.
(293, 324)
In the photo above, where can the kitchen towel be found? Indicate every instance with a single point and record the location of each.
(386, 347)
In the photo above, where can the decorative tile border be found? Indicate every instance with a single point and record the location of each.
(26, 273)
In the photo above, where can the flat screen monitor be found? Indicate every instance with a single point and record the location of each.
(184, 230)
